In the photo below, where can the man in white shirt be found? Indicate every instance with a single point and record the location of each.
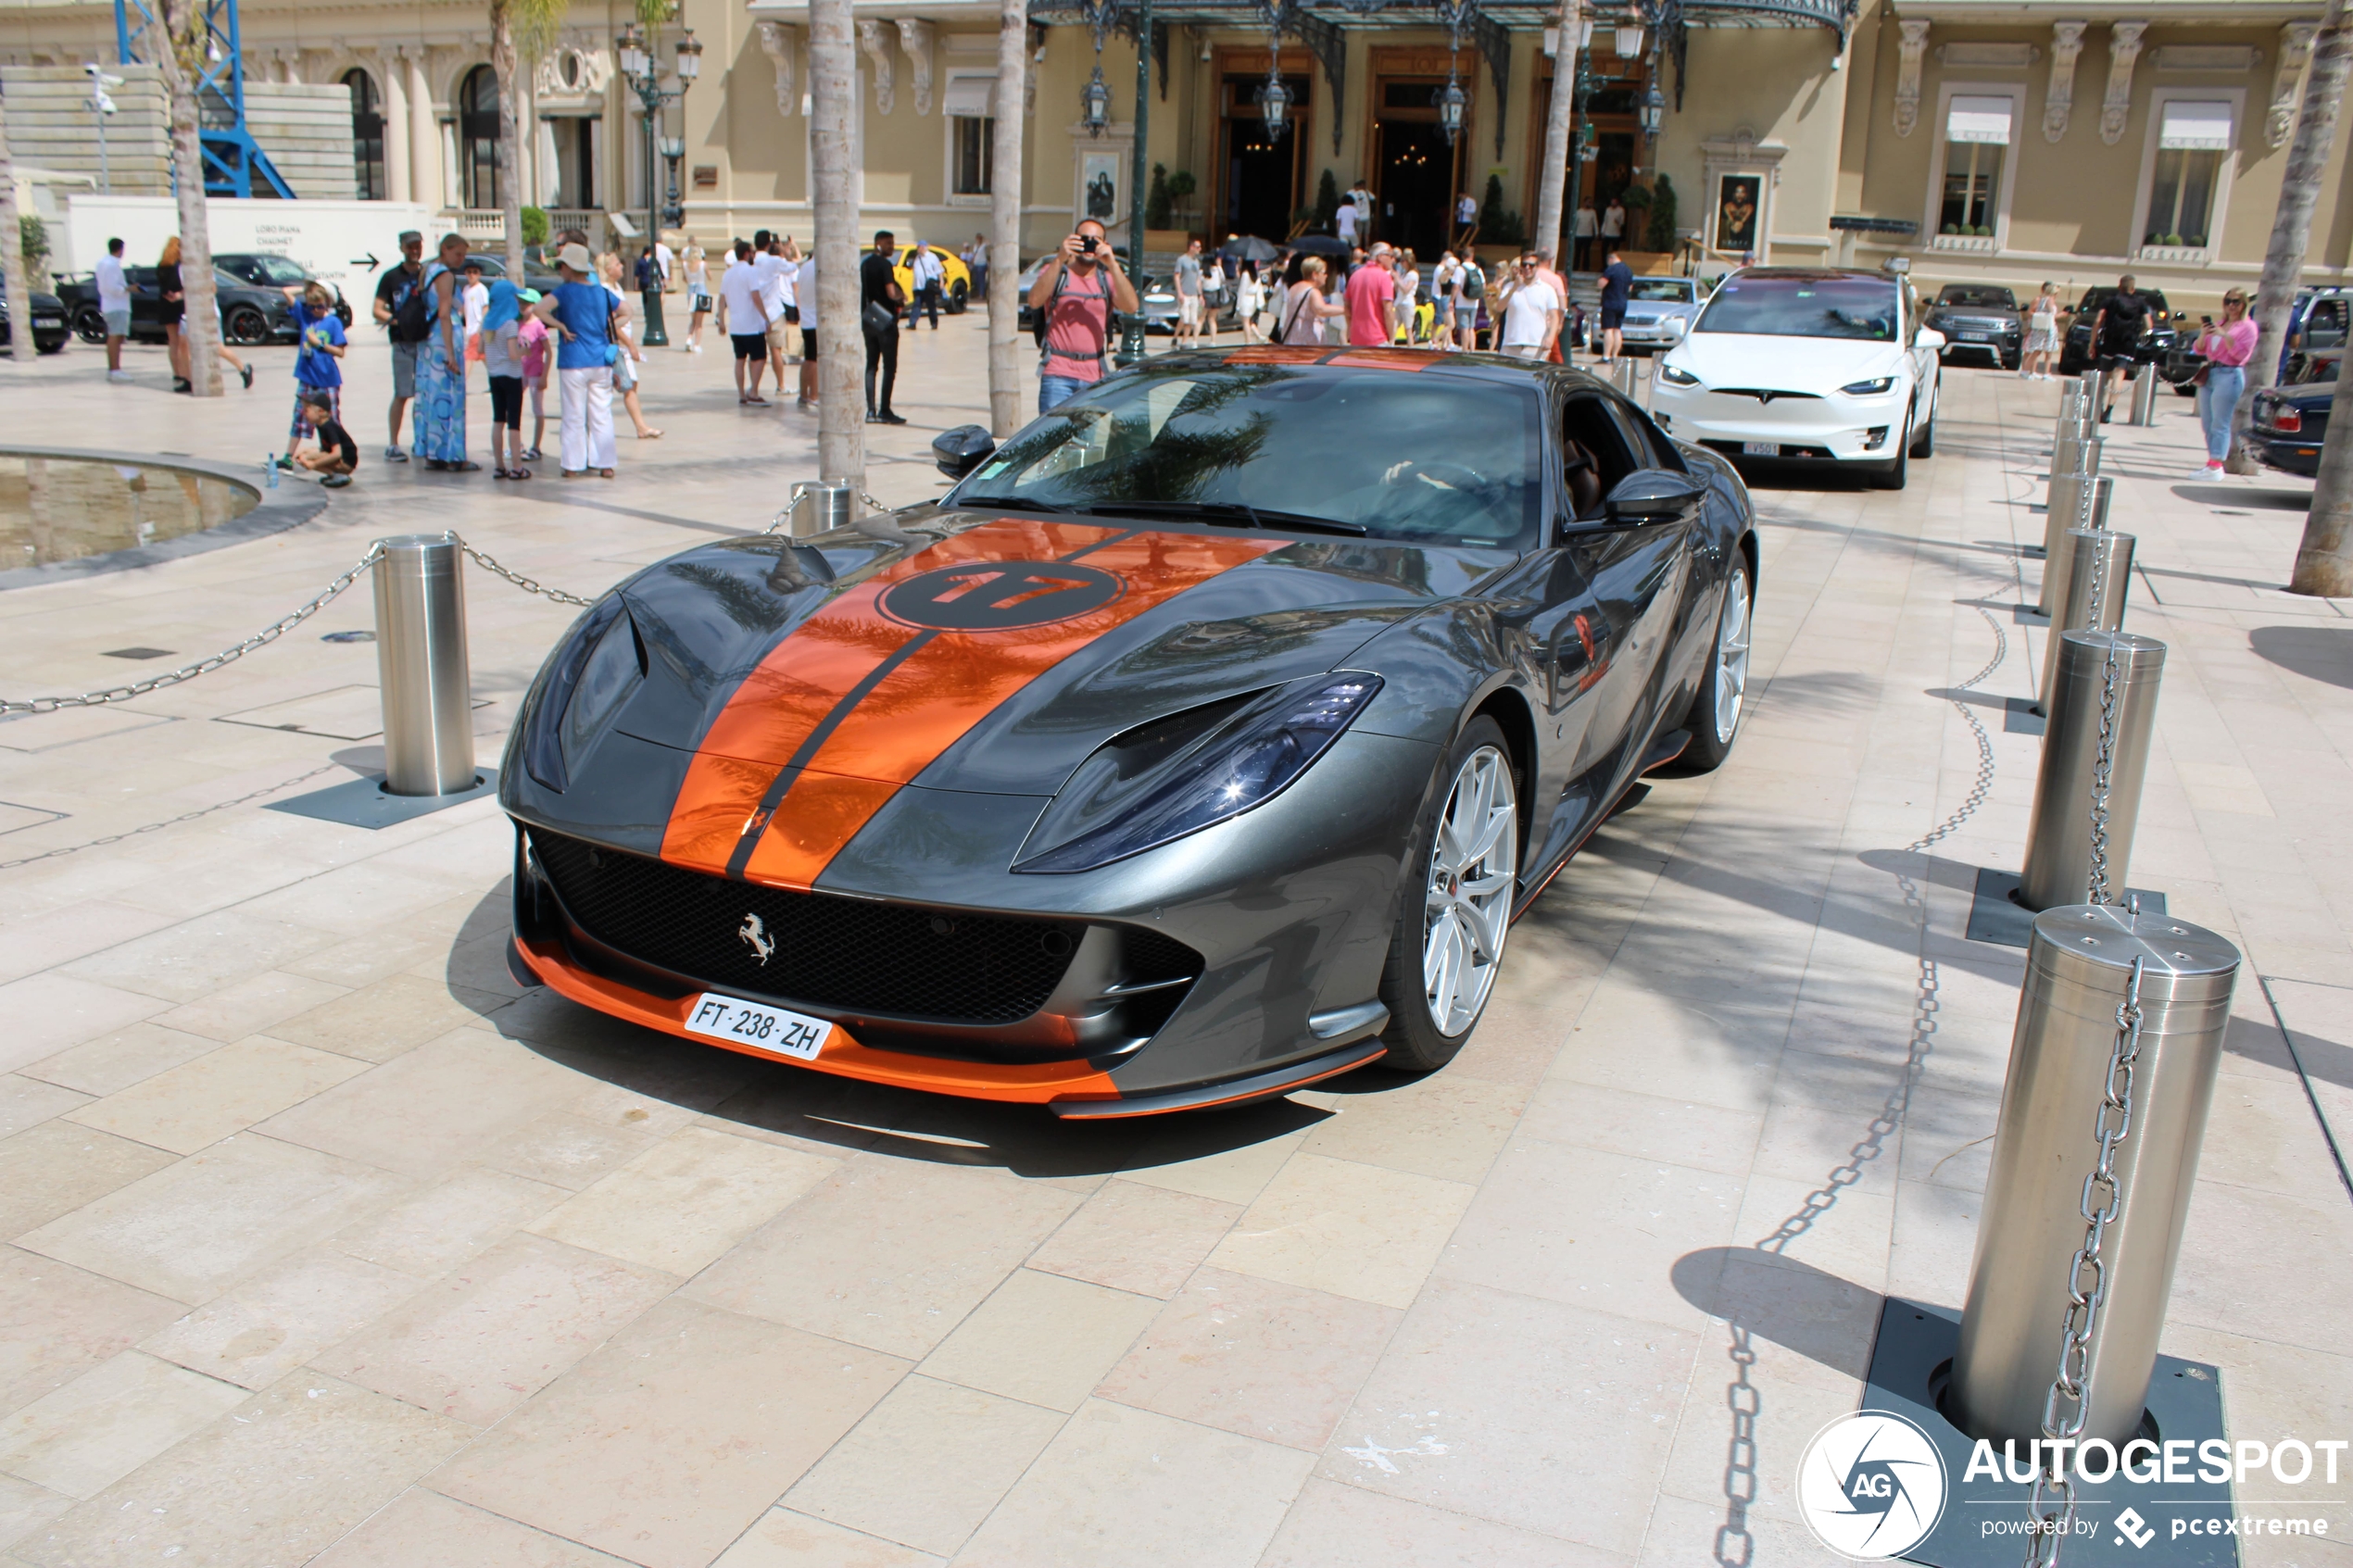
(930, 279)
(1345, 218)
(662, 258)
(773, 277)
(1363, 201)
(114, 304)
(805, 287)
(1466, 212)
(1531, 314)
(746, 322)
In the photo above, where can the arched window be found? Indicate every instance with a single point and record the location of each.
(366, 135)
(478, 137)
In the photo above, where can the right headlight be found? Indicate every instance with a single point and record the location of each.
(1675, 375)
(1177, 775)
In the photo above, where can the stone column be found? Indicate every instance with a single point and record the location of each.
(424, 140)
(395, 99)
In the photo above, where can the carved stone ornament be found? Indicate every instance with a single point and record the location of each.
(876, 44)
(780, 42)
(2059, 98)
(914, 41)
(2296, 48)
(1909, 48)
(2123, 49)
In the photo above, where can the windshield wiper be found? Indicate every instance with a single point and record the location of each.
(1019, 503)
(1225, 512)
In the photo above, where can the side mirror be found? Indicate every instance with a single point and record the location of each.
(1928, 337)
(1649, 495)
(961, 450)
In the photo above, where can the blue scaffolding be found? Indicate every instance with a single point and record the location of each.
(233, 161)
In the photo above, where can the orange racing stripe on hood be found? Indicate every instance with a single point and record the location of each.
(858, 701)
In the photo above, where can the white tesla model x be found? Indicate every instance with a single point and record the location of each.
(1808, 365)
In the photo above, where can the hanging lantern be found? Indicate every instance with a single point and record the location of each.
(1654, 111)
(1629, 42)
(689, 56)
(1274, 106)
(1451, 101)
(1094, 105)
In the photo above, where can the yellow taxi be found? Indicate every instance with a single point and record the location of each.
(955, 278)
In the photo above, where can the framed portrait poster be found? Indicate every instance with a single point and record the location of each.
(1102, 178)
(1738, 206)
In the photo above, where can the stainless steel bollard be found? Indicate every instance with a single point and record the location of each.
(2058, 836)
(818, 506)
(420, 661)
(2096, 553)
(2078, 970)
(2060, 521)
(2070, 413)
(1621, 374)
(2144, 396)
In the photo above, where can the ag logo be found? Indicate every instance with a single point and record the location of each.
(1001, 595)
(1871, 1485)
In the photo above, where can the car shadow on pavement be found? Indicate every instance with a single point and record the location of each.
(2319, 653)
(2233, 495)
(829, 1113)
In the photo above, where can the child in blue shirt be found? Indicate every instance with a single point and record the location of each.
(317, 371)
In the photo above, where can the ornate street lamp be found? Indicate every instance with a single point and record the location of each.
(1274, 106)
(1094, 104)
(1450, 100)
(689, 56)
(1653, 110)
(673, 212)
(635, 49)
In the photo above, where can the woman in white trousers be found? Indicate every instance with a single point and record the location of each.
(580, 312)
(587, 420)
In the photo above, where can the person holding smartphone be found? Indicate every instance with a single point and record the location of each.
(1076, 291)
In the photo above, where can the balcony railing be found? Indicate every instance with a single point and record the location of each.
(2175, 256)
(1966, 245)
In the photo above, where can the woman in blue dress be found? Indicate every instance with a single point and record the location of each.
(441, 367)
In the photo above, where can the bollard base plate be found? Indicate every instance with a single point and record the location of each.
(1909, 1362)
(2018, 717)
(1994, 916)
(365, 803)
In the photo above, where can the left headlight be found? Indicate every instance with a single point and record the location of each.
(1177, 775)
(1675, 375)
(592, 674)
(1871, 388)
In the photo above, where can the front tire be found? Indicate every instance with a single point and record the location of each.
(1892, 474)
(90, 324)
(958, 295)
(1714, 721)
(246, 327)
(1924, 439)
(1454, 911)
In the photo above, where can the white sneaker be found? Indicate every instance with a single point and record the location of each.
(117, 375)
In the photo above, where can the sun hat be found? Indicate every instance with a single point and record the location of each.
(575, 255)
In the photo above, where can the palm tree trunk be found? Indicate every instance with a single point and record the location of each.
(1554, 175)
(2292, 227)
(1004, 221)
(2324, 559)
(502, 62)
(200, 324)
(12, 264)
(833, 102)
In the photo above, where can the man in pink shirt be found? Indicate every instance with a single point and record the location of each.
(1079, 288)
(1372, 300)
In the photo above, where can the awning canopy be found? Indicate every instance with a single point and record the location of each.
(1978, 119)
(975, 96)
(2203, 127)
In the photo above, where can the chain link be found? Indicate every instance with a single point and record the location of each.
(271, 634)
(784, 519)
(2052, 1504)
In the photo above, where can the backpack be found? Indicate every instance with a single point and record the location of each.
(1474, 284)
(413, 317)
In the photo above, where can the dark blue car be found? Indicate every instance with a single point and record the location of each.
(2292, 420)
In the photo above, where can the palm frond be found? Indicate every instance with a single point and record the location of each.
(534, 24)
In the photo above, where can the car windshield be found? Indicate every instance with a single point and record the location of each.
(1381, 452)
(1668, 291)
(1856, 308)
(1977, 298)
(277, 270)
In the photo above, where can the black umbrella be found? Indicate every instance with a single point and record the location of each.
(1249, 249)
(1322, 245)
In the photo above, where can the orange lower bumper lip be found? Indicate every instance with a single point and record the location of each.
(1026, 1083)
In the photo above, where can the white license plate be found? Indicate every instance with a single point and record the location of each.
(1760, 448)
(48, 320)
(1977, 337)
(756, 1024)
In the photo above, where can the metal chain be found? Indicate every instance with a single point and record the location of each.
(784, 519)
(528, 584)
(269, 634)
(170, 821)
(2110, 1126)
(2103, 769)
(204, 666)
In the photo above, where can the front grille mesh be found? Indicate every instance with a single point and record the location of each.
(849, 954)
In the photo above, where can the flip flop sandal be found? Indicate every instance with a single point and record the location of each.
(518, 473)
(468, 466)
(604, 473)
(497, 474)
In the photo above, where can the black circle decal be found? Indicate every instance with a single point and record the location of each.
(1001, 595)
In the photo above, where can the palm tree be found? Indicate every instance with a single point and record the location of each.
(1554, 174)
(521, 30)
(12, 256)
(2292, 226)
(181, 61)
(1004, 220)
(833, 104)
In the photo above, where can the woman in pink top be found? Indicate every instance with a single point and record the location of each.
(2227, 349)
(534, 339)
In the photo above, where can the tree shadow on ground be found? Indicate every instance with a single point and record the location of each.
(2318, 653)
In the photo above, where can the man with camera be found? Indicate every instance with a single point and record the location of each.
(1074, 296)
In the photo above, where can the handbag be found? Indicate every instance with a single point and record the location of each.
(878, 318)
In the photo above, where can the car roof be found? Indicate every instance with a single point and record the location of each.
(1810, 275)
(1408, 361)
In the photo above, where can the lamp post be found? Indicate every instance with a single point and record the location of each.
(635, 48)
(1581, 141)
(674, 210)
(1132, 348)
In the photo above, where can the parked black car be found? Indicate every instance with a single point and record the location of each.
(1977, 319)
(48, 322)
(250, 314)
(264, 270)
(534, 276)
(2292, 420)
(2163, 335)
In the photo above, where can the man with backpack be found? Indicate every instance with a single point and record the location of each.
(1071, 302)
(400, 311)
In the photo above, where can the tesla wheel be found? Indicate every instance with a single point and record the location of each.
(246, 327)
(957, 296)
(1924, 438)
(1891, 475)
(1715, 717)
(1456, 911)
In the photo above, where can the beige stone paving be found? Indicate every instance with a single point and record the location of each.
(320, 1240)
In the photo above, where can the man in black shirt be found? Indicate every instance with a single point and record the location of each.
(391, 289)
(1618, 288)
(879, 297)
(2115, 337)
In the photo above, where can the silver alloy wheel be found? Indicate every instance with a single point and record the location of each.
(1473, 867)
(1731, 655)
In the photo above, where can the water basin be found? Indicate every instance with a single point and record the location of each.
(64, 509)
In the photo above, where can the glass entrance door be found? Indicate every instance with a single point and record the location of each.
(1262, 177)
(1414, 169)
